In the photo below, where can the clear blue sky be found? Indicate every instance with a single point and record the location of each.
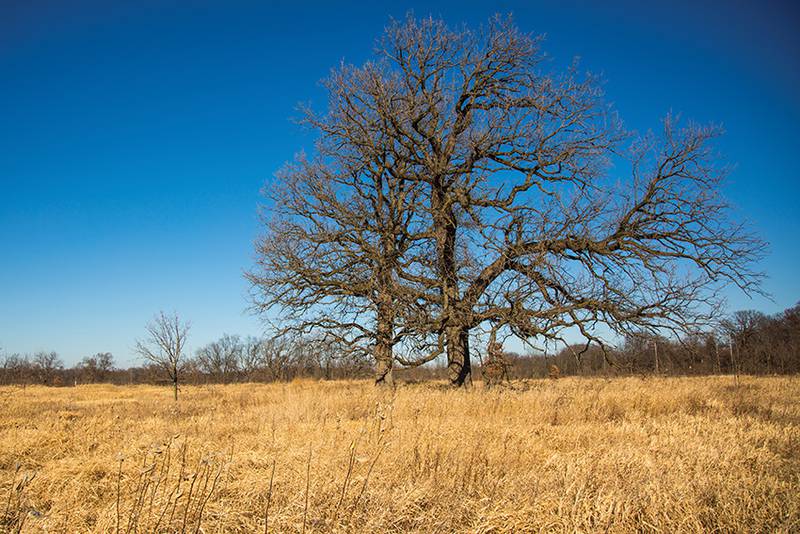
(135, 136)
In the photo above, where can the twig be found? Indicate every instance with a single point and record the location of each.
(366, 479)
(350, 464)
(308, 485)
(269, 497)
(119, 478)
(206, 498)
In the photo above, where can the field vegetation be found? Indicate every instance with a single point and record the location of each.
(573, 454)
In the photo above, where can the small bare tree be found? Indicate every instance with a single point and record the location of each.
(15, 369)
(251, 361)
(220, 359)
(46, 365)
(97, 367)
(165, 345)
(277, 357)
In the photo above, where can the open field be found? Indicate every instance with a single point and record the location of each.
(623, 454)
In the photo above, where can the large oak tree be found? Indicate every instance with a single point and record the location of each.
(461, 181)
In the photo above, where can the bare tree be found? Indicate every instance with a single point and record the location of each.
(46, 366)
(221, 358)
(277, 357)
(16, 369)
(760, 343)
(521, 207)
(164, 346)
(97, 367)
(342, 229)
(517, 163)
(251, 359)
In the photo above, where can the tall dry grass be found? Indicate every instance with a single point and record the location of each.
(589, 455)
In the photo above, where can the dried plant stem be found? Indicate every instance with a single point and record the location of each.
(180, 480)
(205, 499)
(351, 462)
(119, 480)
(188, 502)
(269, 497)
(308, 486)
(381, 446)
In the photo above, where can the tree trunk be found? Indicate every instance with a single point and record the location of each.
(384, 339)
(459, 368)
(383, 365)
(655, 350)
(175, 387)
(457, 336)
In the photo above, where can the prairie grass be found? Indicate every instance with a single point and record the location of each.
(585, 455)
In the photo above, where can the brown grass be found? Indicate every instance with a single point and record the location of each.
(589, 455)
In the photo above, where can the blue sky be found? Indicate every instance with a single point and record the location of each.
(135, 136)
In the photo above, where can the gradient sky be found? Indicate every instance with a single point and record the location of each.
(135, 137)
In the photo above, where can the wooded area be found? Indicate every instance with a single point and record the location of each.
(748, 342)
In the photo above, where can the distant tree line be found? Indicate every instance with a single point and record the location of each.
(230, 359)
(747, 342)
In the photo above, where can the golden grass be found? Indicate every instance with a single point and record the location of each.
(588, 455)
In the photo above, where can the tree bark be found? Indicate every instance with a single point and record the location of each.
(175, 387)
(383, 365)
(459, 366)
(383, 351)
(456, 334)
(385, 313)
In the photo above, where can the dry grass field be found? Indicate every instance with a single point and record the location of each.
(577, 455)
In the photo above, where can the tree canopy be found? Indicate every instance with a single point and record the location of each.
(461, 181)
